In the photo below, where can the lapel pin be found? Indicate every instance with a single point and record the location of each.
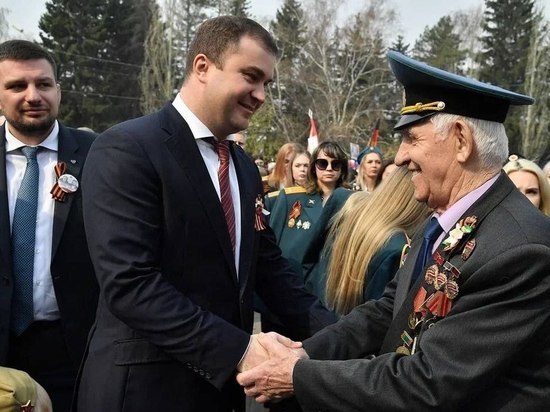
(73, 161)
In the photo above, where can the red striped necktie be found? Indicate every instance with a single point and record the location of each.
(222, 148)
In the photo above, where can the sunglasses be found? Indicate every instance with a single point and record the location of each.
(322, 164)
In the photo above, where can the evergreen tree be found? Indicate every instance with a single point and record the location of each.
(232, 7)
(439, 46)
(288, 29)
(400, 46)
(239, 8)
(287, 94)
(503, 61)
(98, 45)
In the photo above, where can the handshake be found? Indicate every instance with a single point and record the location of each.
(266, 369)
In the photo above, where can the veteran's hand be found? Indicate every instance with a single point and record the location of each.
(257, 353)
(272, 379)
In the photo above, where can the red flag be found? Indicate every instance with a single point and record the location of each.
(375, 135)
(313, 140)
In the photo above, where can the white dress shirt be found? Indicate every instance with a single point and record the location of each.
(45, 303)
(211, 160)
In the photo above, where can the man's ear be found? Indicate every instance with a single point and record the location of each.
(464, 141)
(201, 64)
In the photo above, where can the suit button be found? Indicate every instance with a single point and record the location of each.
(208, 376)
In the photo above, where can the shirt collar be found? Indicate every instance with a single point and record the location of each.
(197, 127)
(448, 219)
(50, 142)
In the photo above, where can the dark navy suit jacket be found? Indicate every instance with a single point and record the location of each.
(174, 319)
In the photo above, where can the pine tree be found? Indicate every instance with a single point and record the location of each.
(439, 46)
(98, 45)
(400, 46)
(507, 34)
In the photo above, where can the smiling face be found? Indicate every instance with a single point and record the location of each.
(528, 184)
(236, 90)
(433, 163)
(29, 98)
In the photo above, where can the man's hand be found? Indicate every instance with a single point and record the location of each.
(272, 379)
(257, 353)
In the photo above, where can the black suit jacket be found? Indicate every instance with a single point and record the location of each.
(491, 351)
(71, 269)
(174, 319)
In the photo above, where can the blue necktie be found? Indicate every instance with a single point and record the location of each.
(431, 233)
(23, 236)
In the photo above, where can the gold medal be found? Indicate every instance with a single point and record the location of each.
(403, 350)
(291, 222)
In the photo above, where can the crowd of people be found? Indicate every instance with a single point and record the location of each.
(133, 261)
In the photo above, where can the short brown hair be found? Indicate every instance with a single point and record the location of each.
(21, 50)
(215, 37)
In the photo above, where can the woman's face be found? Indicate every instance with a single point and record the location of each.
(299, 169)
(330, 175)
(528, 184)
(371, 165)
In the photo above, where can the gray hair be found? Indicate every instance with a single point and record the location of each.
(489, 137)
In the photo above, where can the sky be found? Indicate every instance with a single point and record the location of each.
(414, 15)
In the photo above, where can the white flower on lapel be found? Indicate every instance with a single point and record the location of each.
(466, 225)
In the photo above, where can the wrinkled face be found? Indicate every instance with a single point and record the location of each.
(528, 184)
(300, 165)
(29, 96)
(329, 176)
(236, 91)
(433, 164)
(371, 165)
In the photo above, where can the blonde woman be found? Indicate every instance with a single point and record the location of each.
(367, 238)
(531, 181)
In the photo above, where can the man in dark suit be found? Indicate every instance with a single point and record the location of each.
(177, 271)
(48, 291)
(471, 332)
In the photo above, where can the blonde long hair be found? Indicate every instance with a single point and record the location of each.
(361, 229)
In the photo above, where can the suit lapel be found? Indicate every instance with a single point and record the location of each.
(67, 152)
(480, 209)
(5, 233)
(182, 146)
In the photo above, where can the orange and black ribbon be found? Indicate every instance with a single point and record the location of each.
(56, 192)
(259, 218)
(294, 214)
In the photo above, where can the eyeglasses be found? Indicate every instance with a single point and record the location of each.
(322, 164)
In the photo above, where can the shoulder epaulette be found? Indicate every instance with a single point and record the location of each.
(295, 189)
(273, 194)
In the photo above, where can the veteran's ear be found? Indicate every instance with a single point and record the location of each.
(464, 141)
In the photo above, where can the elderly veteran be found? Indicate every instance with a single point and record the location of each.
(471, 331)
